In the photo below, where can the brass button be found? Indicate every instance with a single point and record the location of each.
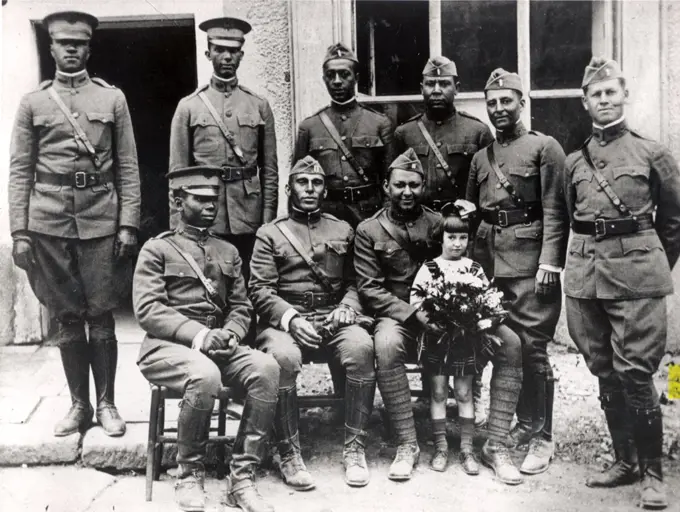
(439, 166)
(73, 92)
(439, 189)
(526, 173)
(344, 137)
(505, 144)
(601, 165)
(498, 185)
(345, 178)
(227, 94)
(439, 123)
(181, 274)
(411, 224)
(228, 113)
(75, 115)
(439, 144)
(343, 117)
(208, 258)
(603, 143)
(465, 153)
(343, 158)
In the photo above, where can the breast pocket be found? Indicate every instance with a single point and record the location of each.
(100, 129)
(527, 182)
(320, 147)
(334, 261)
(47, 124)
(582, 180)
(206, 134)
(178, 275)
(631, 184)
(366, 149)
(392, 256)
(249, 130)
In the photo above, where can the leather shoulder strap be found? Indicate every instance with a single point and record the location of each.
(212, 292)
(438, 154)
(297, 245)
(333, 132)
(80, 133)
(516, 198)
(602, 182)
(225, 132)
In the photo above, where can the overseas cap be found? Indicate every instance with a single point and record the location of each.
(339, 51)
(308, 165)
(502, 79)
(75, 25)
(408, 161)
(227, 32)
(201, 180)
(440, 66)
(600, 69)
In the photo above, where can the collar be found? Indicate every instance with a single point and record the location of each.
(350, 104)
(193, 232)
(439, 120)
(611, 131)
(72, 80)
(401, 218)
(223, 84)
(304, 217)
(503, 137)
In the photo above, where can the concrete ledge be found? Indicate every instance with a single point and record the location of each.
(34, 444)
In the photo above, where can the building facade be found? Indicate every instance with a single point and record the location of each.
(155, 53)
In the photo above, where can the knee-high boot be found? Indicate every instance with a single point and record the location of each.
(648, 433)
(541, 446)
(359, 396)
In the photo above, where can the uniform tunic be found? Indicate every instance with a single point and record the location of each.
(615, 286)
(369, 136)
(458, 138)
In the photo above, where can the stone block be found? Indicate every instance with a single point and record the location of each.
(35, 444)
(17, 409)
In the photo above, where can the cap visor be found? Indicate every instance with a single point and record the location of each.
(227, 43)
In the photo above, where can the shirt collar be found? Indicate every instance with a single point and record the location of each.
(611, 131)
(223, 84)
(401, 217)
(515, 132)
(345, 106)
(304, 217)
(72, 80)
(193, 232)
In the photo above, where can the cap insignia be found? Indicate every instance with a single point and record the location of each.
(500, 82)
(607, 72)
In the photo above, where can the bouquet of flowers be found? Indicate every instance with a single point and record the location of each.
(465, 308)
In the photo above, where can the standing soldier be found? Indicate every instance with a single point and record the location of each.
(353, 144)
(226, 125)
(445, 140)
(521, 241)
(623, 196)
(190, 297)
(303, 288)
(74, 212)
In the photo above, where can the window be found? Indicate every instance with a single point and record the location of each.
(548, 42)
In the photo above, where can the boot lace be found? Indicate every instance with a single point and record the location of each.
(404, 453)
(353, 453)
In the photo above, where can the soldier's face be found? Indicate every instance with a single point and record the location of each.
(605, 101)
(504, 107)
(306, 191)
(70, 55)
(404, 188)
(438, 92)
(340, 79)
(225, 60)
(199, 211)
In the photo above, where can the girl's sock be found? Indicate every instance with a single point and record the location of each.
(467, 430)
(439, 434)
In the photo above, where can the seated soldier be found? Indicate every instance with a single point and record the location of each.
(303, 289)
(189, 296)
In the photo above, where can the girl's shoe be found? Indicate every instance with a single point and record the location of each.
(469, 463)
(439, 461)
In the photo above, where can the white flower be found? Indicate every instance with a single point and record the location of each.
(484, 324)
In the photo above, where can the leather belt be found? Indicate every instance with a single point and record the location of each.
(311, 300)
(353, 194)
(78, 179)
(603, 228)
(237, 173)
(505, 218)
(213, 321)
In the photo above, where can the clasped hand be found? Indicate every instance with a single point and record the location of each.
(219, 343)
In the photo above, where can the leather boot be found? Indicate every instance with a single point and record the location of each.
(249, 450)
(293, 469)
(522, 432)
(648, 433)
(193, 426)
(497, 456)
(480, 413)
(541, 446)
(77, 370)
(624, 471)
(359, 405)
(104, 358)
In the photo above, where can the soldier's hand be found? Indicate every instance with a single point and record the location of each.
(126, 243)
(22, 254)
(225, 353)
(304, 333)
(216, 339)
(547, 283)
(341, 316)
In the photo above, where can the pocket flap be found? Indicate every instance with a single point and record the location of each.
(389, 247)
(421, 149)
(48, 121)
(529, 233)
(577, 246)
(633, 172)
(338, 247)
(203, 120)
(227, 268)
(464, 149)
(321, 143)
(251, 120)
(523, 172)
(367, 141)
(644, 243)
(582, 175)
(101, 117)
(178, 269)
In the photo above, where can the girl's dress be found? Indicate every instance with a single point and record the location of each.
(465, 357)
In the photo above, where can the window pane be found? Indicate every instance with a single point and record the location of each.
(562, 118)
(401, 44)
(479, 36)
(561, 42)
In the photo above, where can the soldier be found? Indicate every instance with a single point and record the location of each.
(618, 273)
(189, 296)
(224, 124)
(74, 198)
(445, 140)
(521, 242)
(303, 289)
(353, 144)
(390, 248)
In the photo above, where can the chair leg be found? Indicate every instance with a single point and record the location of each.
(151, 443)
(158, 452)
(221, 431)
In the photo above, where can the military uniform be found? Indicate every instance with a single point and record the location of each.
(68, 197)
(368, 135)
(617, 276)
(249, 189)
(175, 310)
(282, 285)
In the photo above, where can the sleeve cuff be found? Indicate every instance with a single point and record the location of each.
(199, 339)
(286, 318)
(550, 268)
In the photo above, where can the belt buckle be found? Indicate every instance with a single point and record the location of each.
(226, 174)
(211, 321)
(600, 228)
(503, 218)
(308, 300)
(80, 179)
(348, 194)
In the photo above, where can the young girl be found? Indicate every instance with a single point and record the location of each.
(464, 361)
